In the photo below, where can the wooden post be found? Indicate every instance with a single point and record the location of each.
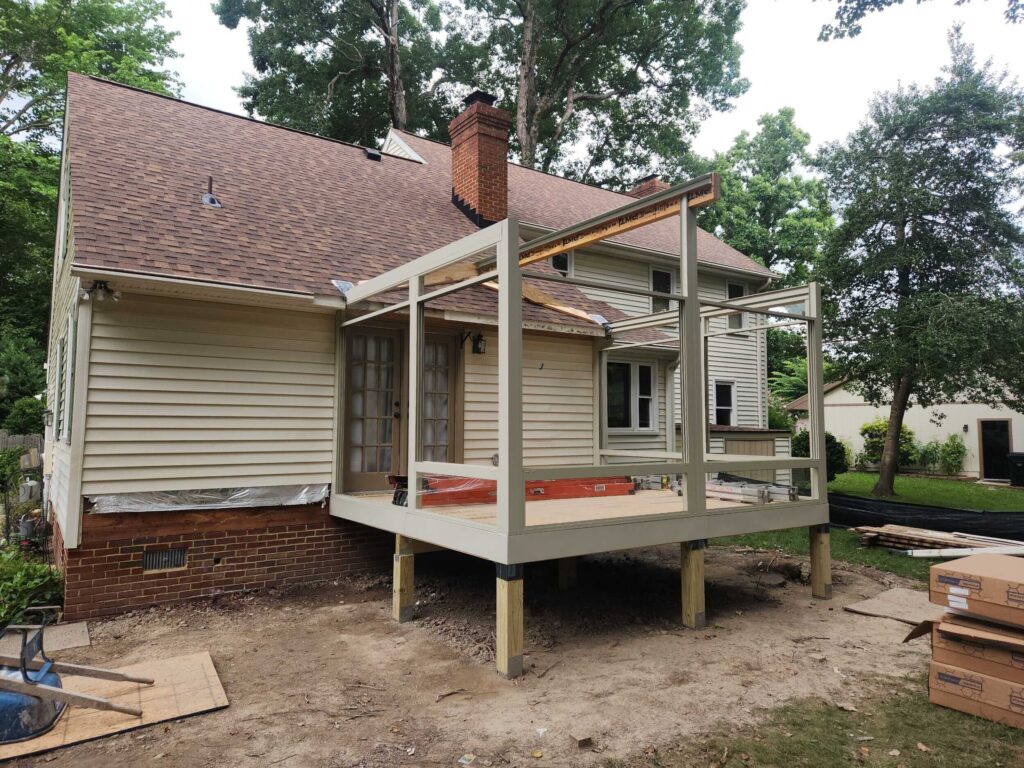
(508, 653)
(402, 602)
(567, 572)
(821, 562)
(692, 568)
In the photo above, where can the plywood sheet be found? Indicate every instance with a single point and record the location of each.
(57, 637)
(186, 685)
(910, 606)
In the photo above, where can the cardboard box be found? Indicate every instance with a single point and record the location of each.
(973, 645)
(985, 586)
(976, 694)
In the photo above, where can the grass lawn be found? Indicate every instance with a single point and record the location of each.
(845, 546)
(936, 492)
(884, 733)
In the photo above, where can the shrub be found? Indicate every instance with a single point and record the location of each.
(928, 455)
(26, 417)
(874, 441)
(835, 452)
(952, 455)
(25, 581)
(778, 416)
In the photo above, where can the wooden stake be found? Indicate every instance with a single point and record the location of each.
(567, 573)
(821, 562)
(402, 603)
(508, 653)
(692, 569)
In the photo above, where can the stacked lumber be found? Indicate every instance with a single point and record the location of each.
(905, 537)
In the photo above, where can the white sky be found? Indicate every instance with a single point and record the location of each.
(829, 84)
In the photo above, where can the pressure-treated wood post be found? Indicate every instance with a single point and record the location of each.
(821, 562)
(567, 572)
(508, 653)
(692, 569)
(402, 602)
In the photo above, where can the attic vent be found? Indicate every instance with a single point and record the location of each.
(209, 198)
(163, 559)
(372, 154)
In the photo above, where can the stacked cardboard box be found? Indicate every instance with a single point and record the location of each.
(978, 646)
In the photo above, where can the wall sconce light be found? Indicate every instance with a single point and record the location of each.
(101, 291)
(479, 343)
(965, 429)
(48, 417)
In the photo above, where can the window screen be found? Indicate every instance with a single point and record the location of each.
(645, 396)
(661, 281)
(619, 396)
(735, 291)
(723, 403)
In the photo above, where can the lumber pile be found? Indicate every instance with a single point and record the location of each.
(905, 537)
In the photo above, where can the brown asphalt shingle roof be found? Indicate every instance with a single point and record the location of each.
(298, 210)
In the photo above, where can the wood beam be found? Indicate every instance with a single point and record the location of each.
(402, 593)
(691, 555)
(821, 562)
(50, 693)
(508, 652)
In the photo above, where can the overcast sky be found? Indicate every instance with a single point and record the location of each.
(829, 84)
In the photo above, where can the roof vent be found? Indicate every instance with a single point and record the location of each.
(372, 154)
(208, 196)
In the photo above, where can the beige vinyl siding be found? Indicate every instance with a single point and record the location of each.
(558, 402)
(614, 272)
(187, 395)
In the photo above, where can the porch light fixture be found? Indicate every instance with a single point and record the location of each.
(100, 291)
(48, 417)
(965, 429)
(479, 343)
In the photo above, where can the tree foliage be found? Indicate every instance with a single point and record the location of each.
(835, 452)
(768, 209)
(41, 40)
(25, 417)
(851, 13)
(21, 368)
(924, 273)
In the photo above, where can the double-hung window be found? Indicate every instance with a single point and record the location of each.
(735, 291)
(631, 401)
(725, 403)
(661, 281)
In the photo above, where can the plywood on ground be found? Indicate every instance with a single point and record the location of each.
(57, 637)
(907, 605)
(186, 685)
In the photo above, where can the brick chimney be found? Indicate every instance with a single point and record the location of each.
(479, 137)
(648, 185)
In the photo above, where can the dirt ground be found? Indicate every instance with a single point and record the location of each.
(323, 677)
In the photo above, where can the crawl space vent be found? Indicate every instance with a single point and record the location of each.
(163, 559)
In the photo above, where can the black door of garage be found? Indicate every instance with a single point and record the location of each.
(995, 445)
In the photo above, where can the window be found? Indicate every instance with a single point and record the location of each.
(735, 291)
(725, 409)
(661, 281)
(631, 404)
(562, 264)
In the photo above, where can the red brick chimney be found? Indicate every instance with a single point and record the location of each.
(648, 185)
(479, 137)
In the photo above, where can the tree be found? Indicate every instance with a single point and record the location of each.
(851, 12)
(349, 69)
(41, 40)
(619, 83)
(790, 382)
(924, 274)
(768, 209)
(21, 369)
(784, 345)
(25, 417)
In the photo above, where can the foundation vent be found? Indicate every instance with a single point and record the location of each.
(164, 559)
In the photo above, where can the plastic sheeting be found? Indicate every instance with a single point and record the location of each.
(216, 498)
(853, 510)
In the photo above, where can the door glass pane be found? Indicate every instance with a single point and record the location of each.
(371, 396)
(437, 358)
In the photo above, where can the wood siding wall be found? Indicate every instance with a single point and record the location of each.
(558, 401)
(192, 395)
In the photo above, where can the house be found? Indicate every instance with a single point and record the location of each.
(987, 431)
(251, 325)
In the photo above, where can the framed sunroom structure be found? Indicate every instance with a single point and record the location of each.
(515, 532)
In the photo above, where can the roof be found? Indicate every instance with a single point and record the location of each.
(800, 404)
(299, 210)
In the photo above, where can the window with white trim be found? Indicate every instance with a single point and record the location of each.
(725, 403)
(631, 396)
(735, 291)
(562, 263)
(662, 281)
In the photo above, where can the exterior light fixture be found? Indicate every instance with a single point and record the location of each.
(965, 429)
(100, 291)
(479, 343)
(48, 417)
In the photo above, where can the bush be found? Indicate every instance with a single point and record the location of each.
(778, 416)
(836, 462)
(952, 455)
(26, 417)
(874, 441)
(26, 581)
(928, 455)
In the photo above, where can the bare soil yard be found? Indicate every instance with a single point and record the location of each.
(323, 677)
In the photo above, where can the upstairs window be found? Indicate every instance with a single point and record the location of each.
(735, 291)
(661, 281)
(631, 401)
(725, 409)
(562, 264)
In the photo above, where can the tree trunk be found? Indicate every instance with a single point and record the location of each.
(891, 449)
(527, 92)
(396, 91)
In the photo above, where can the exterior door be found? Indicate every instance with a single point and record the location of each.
(995, 445)
(374, 410)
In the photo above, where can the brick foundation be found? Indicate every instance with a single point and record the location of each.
(227, 551)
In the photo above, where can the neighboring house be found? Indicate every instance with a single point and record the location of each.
(197, 363)
(987, 431)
